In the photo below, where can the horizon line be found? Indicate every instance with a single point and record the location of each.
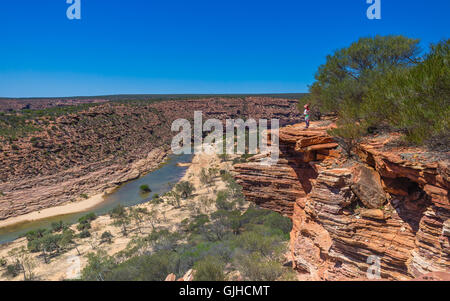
(154, 94)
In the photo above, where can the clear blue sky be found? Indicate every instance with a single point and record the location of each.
(190, 46)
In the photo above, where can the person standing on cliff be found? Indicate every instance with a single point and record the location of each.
(306, 113)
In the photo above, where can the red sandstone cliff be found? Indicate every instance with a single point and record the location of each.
(390, 202)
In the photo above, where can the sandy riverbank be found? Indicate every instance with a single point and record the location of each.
(168, 217)
(137, 169)
(70, 208)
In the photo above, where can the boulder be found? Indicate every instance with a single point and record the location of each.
(367, 187)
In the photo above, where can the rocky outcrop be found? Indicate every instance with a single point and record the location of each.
(387, 207)
(189, 276)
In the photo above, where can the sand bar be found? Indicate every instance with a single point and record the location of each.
(69, 208)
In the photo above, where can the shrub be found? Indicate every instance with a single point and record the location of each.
(98, 266)
(106, 237)
(84, 226)
(222, 202)
(145, 188)
(34, 245)
(88, 218)
(35, 234)
(277, 221)
(255, 267)
(209, 269)
(255, 242)
(207, 176)
(118, 211)
(153, 267)
(198, 223)
(13, 270)
(57, 226)
(85, 234)
(185, 188)
(163, 240)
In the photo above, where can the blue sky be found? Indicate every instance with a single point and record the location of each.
(195, 46)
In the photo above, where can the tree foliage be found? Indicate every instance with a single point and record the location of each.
(382, 83)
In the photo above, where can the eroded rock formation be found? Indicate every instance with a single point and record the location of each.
(85, 150)
(389, 205)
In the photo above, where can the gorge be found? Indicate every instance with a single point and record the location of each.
(55, 155)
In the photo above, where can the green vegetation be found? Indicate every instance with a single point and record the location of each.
(145, 188)
(22, 263)
(58, 226)
(185, 189)
(84, 223)
(106, 237)
(84, 234)
(229, 239)
(121, 218)
(382, 83)
(14, 125)
(52, 242)
(209, 269)
(48, 242)
(207, 176)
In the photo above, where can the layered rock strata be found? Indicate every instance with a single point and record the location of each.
(89, 149)
(387, 207)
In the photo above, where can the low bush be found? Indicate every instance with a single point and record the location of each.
(209, 269)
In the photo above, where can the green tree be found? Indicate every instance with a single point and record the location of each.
(120, 218)
(344, 79)
(99, 265)
(185, 189)
(138, 216)
(343, 82)
(415, 100)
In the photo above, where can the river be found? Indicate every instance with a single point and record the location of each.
(127, 194)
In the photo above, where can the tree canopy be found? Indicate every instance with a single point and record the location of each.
(384, 82)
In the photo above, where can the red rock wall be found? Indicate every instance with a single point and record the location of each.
(388, 202)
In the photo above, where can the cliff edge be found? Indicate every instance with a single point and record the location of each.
(388, 205)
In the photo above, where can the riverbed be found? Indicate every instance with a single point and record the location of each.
(127, 194)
